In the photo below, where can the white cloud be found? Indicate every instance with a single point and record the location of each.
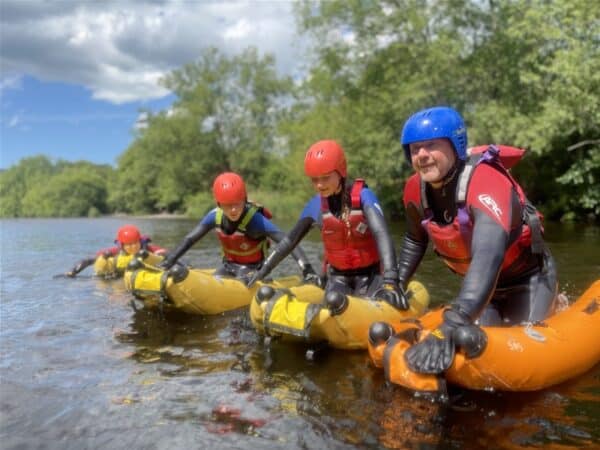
(13, 122)
(10, 82)
(119, 49)
(240, 30)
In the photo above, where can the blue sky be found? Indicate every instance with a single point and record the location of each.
(62, 120)
(74, 75)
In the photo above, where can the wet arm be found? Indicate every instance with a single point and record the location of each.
(414, 245)
(81, 265)
(287, 244)
(385, 245)
(488, 245)
(297, 252)
(190, 239)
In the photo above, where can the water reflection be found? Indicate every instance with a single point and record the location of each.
(81, 369)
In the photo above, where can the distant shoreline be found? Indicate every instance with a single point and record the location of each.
(151, 216)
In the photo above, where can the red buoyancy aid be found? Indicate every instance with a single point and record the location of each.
(348, 241)
(238, 247)
(453, 241)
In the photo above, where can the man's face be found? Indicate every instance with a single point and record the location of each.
(432, 159)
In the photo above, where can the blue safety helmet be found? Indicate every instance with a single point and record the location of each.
(435, 123)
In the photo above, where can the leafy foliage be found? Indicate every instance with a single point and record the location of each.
(38, 188)
(522, 72)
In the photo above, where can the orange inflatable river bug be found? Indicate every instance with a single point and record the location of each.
(520, 358)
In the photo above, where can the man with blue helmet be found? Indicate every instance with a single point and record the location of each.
(483, 227)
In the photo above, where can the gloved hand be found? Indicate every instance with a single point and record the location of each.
(256, 276)
(167, 262)
(310, 276)
(393, 293)
(79, 267)
(436, 352)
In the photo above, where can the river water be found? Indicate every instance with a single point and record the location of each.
(80, 368)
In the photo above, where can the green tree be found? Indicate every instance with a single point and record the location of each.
(38, 188)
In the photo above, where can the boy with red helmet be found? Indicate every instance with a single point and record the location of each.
(243, 228)
(359, 251)
(129, 242)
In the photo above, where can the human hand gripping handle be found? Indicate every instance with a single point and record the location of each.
(256, 276)
(168, 262)
(435, 353)
(310, 276)
(392, 293)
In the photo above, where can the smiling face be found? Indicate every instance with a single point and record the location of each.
(233, 211)
(327, 184)
(432, 159)
(132, 248)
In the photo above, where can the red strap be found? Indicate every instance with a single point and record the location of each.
(357, 187)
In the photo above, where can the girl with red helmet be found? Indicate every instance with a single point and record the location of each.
(129, 242)
(359, 251)
(482, 226)
(244, 230)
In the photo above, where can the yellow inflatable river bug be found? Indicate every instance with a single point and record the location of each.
(302, 314)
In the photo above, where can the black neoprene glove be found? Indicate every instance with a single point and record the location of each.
(310, 276)
(392, 293)
(168, 262)
(436, 352)
(80, 266)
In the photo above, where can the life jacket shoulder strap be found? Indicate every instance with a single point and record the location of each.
(248, 215)
(355, 191)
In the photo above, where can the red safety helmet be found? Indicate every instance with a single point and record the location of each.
(229, 188)
(324, 157)
(128, 234)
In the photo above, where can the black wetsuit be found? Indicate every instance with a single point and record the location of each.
(525, 291)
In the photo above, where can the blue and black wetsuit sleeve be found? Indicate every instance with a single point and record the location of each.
(310, 215)
(203, 227)
(261, 228)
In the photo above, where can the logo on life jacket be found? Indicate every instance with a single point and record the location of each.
(490, 204)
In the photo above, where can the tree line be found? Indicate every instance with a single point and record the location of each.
(522, 72)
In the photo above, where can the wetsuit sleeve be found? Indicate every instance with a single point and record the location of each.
(379, 228)
(287, 244)
(491, 199)
(488, 245)
(414, 245)
(415, 241)
(260, 227)
(205, 225)
(81, 265)
(297, 253)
